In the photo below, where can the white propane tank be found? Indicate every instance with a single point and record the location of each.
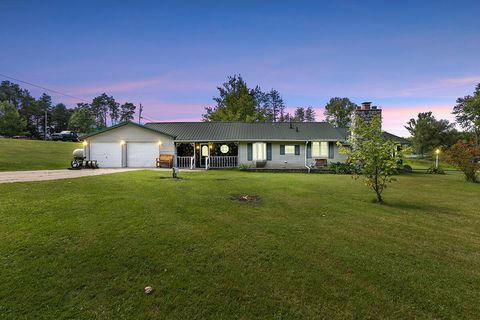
(78, 154)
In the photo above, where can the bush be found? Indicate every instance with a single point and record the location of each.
(464, 156)
(407, 169)
(244, 167)
(435, 170)
(342, 168)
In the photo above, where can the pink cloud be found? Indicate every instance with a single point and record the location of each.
(173, 82)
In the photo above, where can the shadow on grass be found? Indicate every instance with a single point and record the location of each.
(419, 207)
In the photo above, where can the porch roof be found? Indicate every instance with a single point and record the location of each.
(241, 131)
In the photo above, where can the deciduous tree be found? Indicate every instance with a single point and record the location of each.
(236, 102)
(338, 111)
(11, 123)
(376, 158)
(82, 120)
(428, 133)
(467, 113)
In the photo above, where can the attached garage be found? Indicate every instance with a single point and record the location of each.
(107, 154)
(127, 145)
(142, 154)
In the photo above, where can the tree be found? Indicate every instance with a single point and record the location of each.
(299, 115)
(43, 106)
(338, 111)
(276, 105)
(82, 120)
(428, 133)
(310, 114)
(467, 113)
(236, 102)
(465, 155)
(127, 111)
(60, 117)
(11, 123)
(101, 107)
(376, 158)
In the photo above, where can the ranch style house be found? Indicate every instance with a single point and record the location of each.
(277, 145)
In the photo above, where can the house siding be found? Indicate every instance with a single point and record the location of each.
(287, 161)
(131, 133)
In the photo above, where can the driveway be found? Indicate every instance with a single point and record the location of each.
(40, 175)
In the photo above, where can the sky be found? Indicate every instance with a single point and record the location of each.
(404, 56)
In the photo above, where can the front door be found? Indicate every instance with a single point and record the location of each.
(204, 152)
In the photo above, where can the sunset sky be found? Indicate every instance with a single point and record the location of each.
(404, 56)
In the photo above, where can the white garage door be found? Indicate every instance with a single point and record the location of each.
(107, 154)
(142, 155)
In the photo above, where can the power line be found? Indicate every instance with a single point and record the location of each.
(37, 86)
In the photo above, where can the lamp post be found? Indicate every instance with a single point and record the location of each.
(437, 152)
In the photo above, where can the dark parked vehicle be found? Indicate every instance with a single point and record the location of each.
(65, 136)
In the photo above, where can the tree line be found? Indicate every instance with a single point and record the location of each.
(23, 114)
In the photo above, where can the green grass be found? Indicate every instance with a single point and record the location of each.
(35, 154)
(424, 164)
(315, 247)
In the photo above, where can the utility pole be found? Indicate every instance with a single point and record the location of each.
(45, 131)
(140, 109)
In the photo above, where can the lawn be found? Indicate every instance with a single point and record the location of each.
(424, 164)
(35, 154)
(315, 246)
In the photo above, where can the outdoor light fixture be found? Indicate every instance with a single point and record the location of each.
(159, 142)
(122, 142)
(437, 152)
(85, 143)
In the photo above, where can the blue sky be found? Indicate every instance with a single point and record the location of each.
(405, 56)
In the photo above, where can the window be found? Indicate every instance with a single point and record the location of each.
(290, 149)
(319, 149)
(259, 151)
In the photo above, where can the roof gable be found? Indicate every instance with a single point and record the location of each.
(121, 125)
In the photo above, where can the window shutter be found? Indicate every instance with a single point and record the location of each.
(269, 151)
(249, 152)
(282, 149)
(297, 149)
(331, 150)
(309, 150)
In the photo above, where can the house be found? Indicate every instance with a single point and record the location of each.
(222, 144)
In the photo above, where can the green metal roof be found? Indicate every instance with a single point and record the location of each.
(242, 131)
(388, 136)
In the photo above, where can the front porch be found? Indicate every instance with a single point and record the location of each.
(206, 155)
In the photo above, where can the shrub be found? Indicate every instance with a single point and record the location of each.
(407, 169)
(464, 156)
(244, 167)
(435, 170)
(341, 168)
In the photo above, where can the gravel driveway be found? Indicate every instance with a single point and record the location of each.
(40, 175)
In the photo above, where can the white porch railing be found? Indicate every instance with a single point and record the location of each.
(186, 162)
(222, 162)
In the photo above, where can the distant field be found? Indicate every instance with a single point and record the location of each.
(35, 154)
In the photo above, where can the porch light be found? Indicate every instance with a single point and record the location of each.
(85, 143)
(159, 142)
(122, 142)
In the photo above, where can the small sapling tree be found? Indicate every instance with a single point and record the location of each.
(376, 158)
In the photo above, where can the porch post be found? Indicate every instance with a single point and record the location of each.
(193, 165)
